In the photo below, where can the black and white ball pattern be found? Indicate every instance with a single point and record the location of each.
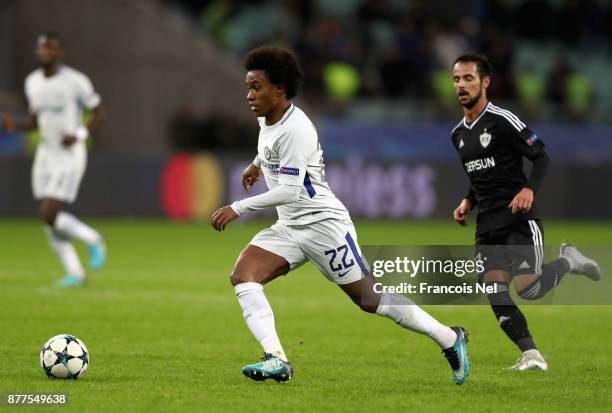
(64, 357)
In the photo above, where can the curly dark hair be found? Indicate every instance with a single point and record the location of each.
(482, 63)
(281, 66)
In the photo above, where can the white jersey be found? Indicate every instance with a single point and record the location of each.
(289, 153)
(58, 102)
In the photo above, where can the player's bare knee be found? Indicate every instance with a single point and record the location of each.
(367, 303)
(368, 307)
(236, 278)
(370, 302)
(47, 214)
(240, 276)
(362, 295)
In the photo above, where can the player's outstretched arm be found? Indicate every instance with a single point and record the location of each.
(10, 124)
(223, 216)
(461, 213)
(281, 195)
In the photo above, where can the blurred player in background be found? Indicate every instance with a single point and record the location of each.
(492, 143)
(313, 224)
(56, 96)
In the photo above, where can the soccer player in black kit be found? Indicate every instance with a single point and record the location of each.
(492, 143)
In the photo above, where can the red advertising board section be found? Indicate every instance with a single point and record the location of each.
(191, 186)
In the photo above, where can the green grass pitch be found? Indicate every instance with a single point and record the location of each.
(166, 333)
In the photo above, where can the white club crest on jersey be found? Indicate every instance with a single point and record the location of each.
(461, 144)
(267, 153)
(485, 139)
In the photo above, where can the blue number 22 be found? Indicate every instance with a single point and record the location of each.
(343, 264)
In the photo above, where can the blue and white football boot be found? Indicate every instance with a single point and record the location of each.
(97, 255)
(270, 367)
(457, 356)
(70, 281)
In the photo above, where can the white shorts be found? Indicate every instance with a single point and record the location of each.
(57, 173)
(331, 245)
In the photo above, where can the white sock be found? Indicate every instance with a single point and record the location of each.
(66, 252)
(409, 315)
(74, 228)
(259, 317)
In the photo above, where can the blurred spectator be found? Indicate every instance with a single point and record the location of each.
(448, 44)
(580, 96)
(500, 52)
(555, 90)
(215, 16)
(256, 23)
(403, 49)
(193, 131)
(530, 92)
(571, 91)
(341, 81)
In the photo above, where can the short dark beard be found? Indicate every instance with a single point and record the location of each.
(50, 68)
(472, 102)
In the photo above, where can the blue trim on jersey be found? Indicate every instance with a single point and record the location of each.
(355, 252)
(288, 114)
(308, 185)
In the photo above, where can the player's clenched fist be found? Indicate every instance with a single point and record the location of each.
(68, 140)
(522, 201)
(462, 212)
(250, 175)
(222, 217)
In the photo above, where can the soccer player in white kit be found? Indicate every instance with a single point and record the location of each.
(313, 224)
(56, 96)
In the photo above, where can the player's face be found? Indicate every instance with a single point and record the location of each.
(48, 51)
(468, 85)
(263, 95)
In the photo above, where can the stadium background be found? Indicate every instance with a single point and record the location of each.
(161, 321)
(377, 85)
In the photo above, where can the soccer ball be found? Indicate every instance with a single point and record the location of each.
(64, 357)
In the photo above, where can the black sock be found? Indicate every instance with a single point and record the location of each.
(552, 274)
(510, 318)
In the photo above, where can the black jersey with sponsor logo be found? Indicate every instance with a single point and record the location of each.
(492, 148)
